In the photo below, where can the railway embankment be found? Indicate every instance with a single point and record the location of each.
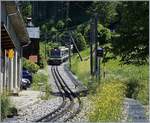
(134, 100)
(31, 107)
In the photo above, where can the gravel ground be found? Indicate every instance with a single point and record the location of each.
(35, 111)
(43, 107)
(82, 116)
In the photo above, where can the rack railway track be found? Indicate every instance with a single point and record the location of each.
(66, 109)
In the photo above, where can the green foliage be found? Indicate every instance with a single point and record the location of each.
(106, 10)
(130, 21)
(133, 86)
(29, 65)
(80, 41)
(44, 28)
(143, 92)
(104, 34)
(6, 107)
(42, 49)
(108, 55)
(87, 33)
(60, 24)
(107, 103)
(26, 9)
(44, 52)
(134, 77)
(39, 78)
(47, 92)
(40, 82)
(81, 68)
(42, 62)
(132, 45)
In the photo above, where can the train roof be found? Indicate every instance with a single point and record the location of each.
(62, 48)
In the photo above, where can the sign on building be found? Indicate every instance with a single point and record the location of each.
(10, 53)
(34, 32)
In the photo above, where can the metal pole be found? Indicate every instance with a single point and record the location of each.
(45, 43)
(91, 47)
(67, 15)
(99, 69)
(45, 50)
(70, 53)
(75, 46)
(96, 45)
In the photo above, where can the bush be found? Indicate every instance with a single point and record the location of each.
(47, 92)
(5, 105)
(143, 94)
(41, 80)
(42, 62)
(135, 78)
(7, 110)
(108, 102)
(137, 90)
(80, 41)
(29, 65)
(133, 86)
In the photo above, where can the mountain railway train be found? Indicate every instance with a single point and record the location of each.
(58, 55)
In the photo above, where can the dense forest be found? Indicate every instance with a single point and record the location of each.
(122, 26)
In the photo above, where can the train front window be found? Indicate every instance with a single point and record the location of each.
(55, 53)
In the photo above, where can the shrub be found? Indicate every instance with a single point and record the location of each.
(143, 94)
(80, 41)
(47, 92)
(108, 102)
(5, 105)
(135, 78)
(7, 110)
(29, 65)
(41, 80)
(133, 86)
(42, 62)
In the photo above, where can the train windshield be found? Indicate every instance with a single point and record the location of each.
(55, 53)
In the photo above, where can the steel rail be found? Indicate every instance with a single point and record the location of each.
(60, 106)
(70, 106)
(65, 92)
(73, 94)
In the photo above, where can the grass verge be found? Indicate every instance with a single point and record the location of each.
(40, 83)
(7, 110)
(108, 102)
(134, 78)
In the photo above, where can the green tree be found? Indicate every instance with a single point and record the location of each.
(80, 41)
(106, 11)
(132, 44)
(60, 24)
(104, 34)
(26, 9)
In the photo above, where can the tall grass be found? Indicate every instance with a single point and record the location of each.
(134, 77)
(5, 105)
(40, 81)
(82, 68)
(108, 102)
